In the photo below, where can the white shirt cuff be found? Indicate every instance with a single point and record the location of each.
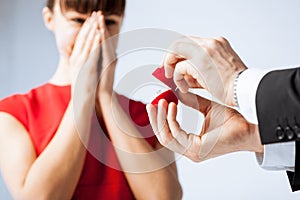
(279, 156)
(246, 88)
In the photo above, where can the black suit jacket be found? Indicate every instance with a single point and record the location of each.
(278, 112)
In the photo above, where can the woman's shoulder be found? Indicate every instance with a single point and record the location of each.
(20, 105)
(42, 91)
(17, 100)
(14, 106)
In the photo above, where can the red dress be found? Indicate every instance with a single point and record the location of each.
(41, 111)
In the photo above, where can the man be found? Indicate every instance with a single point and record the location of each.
(269, 99)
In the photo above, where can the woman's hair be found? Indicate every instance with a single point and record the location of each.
(88, 6)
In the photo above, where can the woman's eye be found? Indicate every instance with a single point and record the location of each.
(110, 22)
(78, 20)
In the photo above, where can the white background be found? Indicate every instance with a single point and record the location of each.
(264, 33)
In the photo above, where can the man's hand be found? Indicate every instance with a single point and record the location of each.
(204, 63)
(224, 129)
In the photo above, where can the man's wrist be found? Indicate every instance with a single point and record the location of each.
(247, 84)
(235, 99)
(256, 144)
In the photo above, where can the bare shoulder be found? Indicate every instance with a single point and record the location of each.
(13, 134)
(9, 123)
(15, 142)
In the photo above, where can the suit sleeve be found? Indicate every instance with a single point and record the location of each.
(278, 112)
(278, 106)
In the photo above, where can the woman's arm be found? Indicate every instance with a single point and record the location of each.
(151, 174)
(52, 175)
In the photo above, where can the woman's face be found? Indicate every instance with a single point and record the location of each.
(67, 25)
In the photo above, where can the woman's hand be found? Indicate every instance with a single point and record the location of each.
(108, 60)
(224, 129)
(84, 58)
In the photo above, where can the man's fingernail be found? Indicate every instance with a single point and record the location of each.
(147, 107)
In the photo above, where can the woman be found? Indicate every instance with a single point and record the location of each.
(43, 153)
